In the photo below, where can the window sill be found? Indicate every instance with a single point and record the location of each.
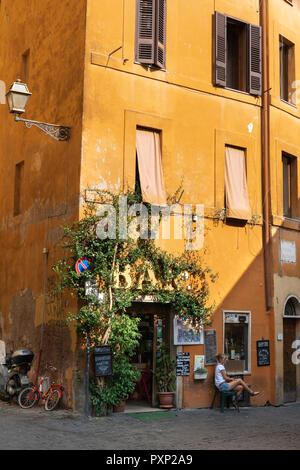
(288, 103)
(238, 91)
(245, 372)
(151, 67)
(285, 222)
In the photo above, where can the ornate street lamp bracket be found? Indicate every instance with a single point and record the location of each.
(57, 132)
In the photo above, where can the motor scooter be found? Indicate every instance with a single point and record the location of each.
(13, 373)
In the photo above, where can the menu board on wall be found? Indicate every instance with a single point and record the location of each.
(263, 353)
(210, 347)
(183, 363)
(103, 361)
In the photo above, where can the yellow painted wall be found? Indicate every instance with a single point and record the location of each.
(197, 121)
(54, 32)
(284, 137)
(82, 73)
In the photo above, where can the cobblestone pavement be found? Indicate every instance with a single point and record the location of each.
(253, 428)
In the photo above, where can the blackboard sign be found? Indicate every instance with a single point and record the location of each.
(103, 361)
(210, 347)
(182, 363)
(263, 353)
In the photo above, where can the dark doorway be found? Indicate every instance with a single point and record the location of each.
(289, 369)
(155, 328)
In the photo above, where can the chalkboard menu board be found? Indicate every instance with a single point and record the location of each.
(103, 361)
(263, 353)
(182, 363)
(210, 346)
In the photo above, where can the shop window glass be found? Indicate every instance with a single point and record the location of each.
(236, 342)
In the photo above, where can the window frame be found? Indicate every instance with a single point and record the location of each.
(241, 312)
(244, 150)
(250, 41)
(18, 185)
(287, 44)
(292, 186)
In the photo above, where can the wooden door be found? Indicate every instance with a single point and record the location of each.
(289, 369)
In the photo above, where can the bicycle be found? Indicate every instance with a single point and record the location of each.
(29, 396)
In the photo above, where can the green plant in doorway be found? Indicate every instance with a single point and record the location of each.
(164, 371)
(180, 281)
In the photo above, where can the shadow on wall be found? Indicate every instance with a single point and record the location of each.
(55, 336)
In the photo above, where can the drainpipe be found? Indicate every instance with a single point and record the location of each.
(265, 151)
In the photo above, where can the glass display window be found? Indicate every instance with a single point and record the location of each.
(237, 341)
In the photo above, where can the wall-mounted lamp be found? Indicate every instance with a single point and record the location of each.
(17, 98)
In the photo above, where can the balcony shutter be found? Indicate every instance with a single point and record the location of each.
(160, 44)
(220, 49)
(145, 31)
(255, 62)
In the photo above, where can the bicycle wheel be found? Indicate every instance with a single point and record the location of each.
(28, 397)
(52, 400)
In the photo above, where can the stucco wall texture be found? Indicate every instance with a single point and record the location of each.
(52, 35)
(82, 73)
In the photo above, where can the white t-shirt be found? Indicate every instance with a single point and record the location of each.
(219, 379)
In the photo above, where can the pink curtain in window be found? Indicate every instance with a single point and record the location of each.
(148, 148)
(237, 199)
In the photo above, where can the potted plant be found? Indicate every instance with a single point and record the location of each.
(165, 377)
(200, 373)
(117, 388)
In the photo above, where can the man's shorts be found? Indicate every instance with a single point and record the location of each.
(224, 387)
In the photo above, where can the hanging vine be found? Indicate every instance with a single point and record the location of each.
(181, 281)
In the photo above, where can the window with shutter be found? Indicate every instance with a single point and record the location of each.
(238, 60)
(220, 49)
(145, 31)
(255, 78)
(161, 33)
(151, 32)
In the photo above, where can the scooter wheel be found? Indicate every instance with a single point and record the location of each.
(28, 397)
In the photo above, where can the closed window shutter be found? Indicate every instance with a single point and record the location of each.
(220, 49)
(160, 45)
(145, 31)
(255, 60)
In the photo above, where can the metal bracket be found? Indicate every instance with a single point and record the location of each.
(57, 132)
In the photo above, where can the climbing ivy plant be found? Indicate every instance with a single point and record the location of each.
(181, 281)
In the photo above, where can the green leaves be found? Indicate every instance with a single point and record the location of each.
(152, 271)
(164, 372)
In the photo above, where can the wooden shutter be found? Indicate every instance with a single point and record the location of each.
(220, 49)
(255, 60)
(145, 31)
(160, 43)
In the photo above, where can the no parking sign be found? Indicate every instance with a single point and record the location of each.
(82, 265)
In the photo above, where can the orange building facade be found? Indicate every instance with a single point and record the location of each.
(217, 81)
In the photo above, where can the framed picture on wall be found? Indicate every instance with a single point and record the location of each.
(185, 334)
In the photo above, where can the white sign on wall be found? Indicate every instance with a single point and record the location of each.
(2, 352)
(287, 252)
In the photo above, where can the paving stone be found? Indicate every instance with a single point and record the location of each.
(272, 428)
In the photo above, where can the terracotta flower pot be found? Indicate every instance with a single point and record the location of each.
(166, 399)
(120, 408)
